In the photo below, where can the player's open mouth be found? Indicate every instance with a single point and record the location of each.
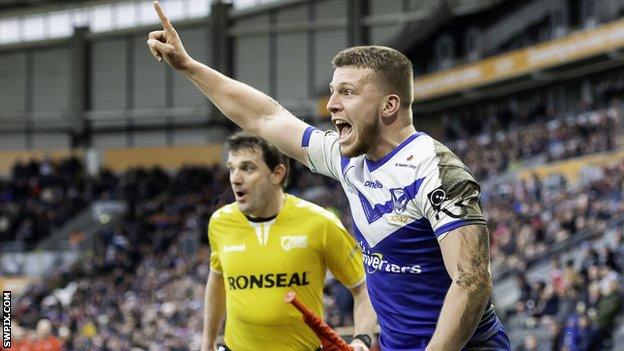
(240, 195)
(344, 129)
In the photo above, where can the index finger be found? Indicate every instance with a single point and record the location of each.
(161, 14)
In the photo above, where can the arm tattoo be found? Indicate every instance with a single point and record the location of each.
(472, 272)
(474, 255)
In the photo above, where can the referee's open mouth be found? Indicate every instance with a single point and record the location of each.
(240, 195)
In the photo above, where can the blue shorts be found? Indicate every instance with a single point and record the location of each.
(499, 341)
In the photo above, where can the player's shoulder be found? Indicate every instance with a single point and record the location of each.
(426, 145)
(312, 212)
(225, 214)
(433, 155)
(439, 161)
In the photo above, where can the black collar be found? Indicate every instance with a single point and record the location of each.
(260, 219)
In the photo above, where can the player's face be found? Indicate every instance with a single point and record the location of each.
(251, 180)
(355, 104)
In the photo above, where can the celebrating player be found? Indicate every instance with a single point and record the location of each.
(268, 243)
(415, 205)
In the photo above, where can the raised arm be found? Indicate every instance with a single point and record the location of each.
(249, 108)
(465, 251)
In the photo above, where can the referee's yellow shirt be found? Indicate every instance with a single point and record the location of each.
(261, 261)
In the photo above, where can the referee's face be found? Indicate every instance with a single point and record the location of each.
(252, 181)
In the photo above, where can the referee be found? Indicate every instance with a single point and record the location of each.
(268, 243)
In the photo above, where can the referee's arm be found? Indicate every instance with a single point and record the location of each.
(364, 318)
(214, 310)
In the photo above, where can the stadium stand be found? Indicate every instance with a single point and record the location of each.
(157, 242)
(146, 263)
(578, 306)
(155, 250)
(556, 221)
(39, 197)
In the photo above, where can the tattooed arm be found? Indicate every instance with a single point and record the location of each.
(466, 256)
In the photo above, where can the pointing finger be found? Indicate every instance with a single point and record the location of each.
(161, 14)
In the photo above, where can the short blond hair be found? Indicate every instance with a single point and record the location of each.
(392, 68)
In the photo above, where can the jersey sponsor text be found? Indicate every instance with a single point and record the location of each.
(375, 262)
(270, 280)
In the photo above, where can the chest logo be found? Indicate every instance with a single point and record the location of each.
(399, 199)
(294, 242)
(373, 184)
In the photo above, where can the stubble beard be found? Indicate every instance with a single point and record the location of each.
(365, 140)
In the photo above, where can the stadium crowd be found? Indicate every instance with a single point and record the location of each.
(505, 140)
(152, 267)
(526, 217)
(578, 305)
(39, 197)
(143, 285)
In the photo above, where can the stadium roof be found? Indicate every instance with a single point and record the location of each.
(578, 54)
(11, 5)
(10, 8)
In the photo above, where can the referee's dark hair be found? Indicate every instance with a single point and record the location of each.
(272, 155)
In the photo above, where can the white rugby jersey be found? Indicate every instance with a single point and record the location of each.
(401, 205)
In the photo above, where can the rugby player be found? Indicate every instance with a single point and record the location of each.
(415, 206)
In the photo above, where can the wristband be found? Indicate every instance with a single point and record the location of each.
(365, 339)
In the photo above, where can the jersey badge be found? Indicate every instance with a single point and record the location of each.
(399, 199)
(294, 242)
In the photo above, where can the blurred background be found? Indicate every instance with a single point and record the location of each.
(111, 163)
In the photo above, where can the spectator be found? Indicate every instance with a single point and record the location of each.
(20, 340)
(609, 306)
(529, 343)
(45, 340)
